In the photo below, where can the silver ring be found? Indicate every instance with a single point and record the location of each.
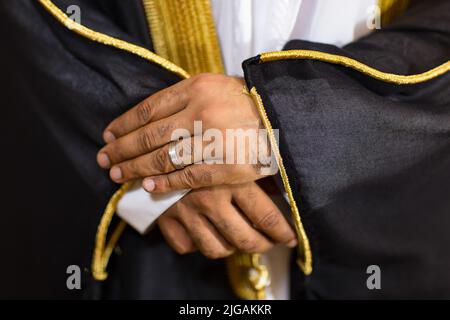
(173, 156)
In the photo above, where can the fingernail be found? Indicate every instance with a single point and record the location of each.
(115, 173)
(292, 243)
(148, 184)
(103, 160)
(108, 136)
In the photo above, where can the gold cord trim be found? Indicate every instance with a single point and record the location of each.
(113, 240)
(208, 38)
(103, 252)
(184, 32)
(304, 249)
(111, 41)
(356, 65)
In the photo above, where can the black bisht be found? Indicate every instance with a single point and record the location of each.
(369, 162)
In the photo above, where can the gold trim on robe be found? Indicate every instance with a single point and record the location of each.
(356, 65)
(184, 33)
(185, 39)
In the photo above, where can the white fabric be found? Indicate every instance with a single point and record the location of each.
(250, 27)
(246, 28)
(140, 208)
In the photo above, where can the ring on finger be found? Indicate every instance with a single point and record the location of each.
(176, 161)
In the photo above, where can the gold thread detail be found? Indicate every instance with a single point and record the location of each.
(184, 32)
(102, 252)
(356, 65)
(113, 240)
(111, 41)
(304, 249)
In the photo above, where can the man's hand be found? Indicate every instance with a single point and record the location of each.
(219, 220)
(138, 141)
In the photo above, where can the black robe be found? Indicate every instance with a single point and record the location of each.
(368, 161)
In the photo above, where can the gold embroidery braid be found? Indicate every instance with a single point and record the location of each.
(111, 41)
(168, 47)
(356, 65)
(184, 33)
(102, 253)
(304, 249)
(103, 249)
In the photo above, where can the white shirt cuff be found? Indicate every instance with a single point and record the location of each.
(140, 208)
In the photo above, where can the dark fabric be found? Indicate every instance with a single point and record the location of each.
(369, 162)
(60, 91)
(147, 268)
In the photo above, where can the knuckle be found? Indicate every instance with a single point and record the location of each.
(207, 194)
(115, 152)
(247, 245)
(269, 220)
(202, 198)
(178, 207)
(202, 81)
(206, 116)
(144, 112)
(168, 182)
(172, 96)
(165, 129)
(251, 194)
(161, 160)
(205, 177)
(222, 223)
(211, 201)
(146, 139)
(188, 178)
(130, 168)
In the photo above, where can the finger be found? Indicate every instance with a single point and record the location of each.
(145, 139)
(200, 175)
(264, 214)
(176, 235)
(154, 163)
(206, 237)
(192, 177)
(237, 230)
(158, 106)
(158, 162)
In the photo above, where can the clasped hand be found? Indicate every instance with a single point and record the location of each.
(227, 210)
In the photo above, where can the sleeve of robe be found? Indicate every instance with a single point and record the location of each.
(368, 161)
(62, 90)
